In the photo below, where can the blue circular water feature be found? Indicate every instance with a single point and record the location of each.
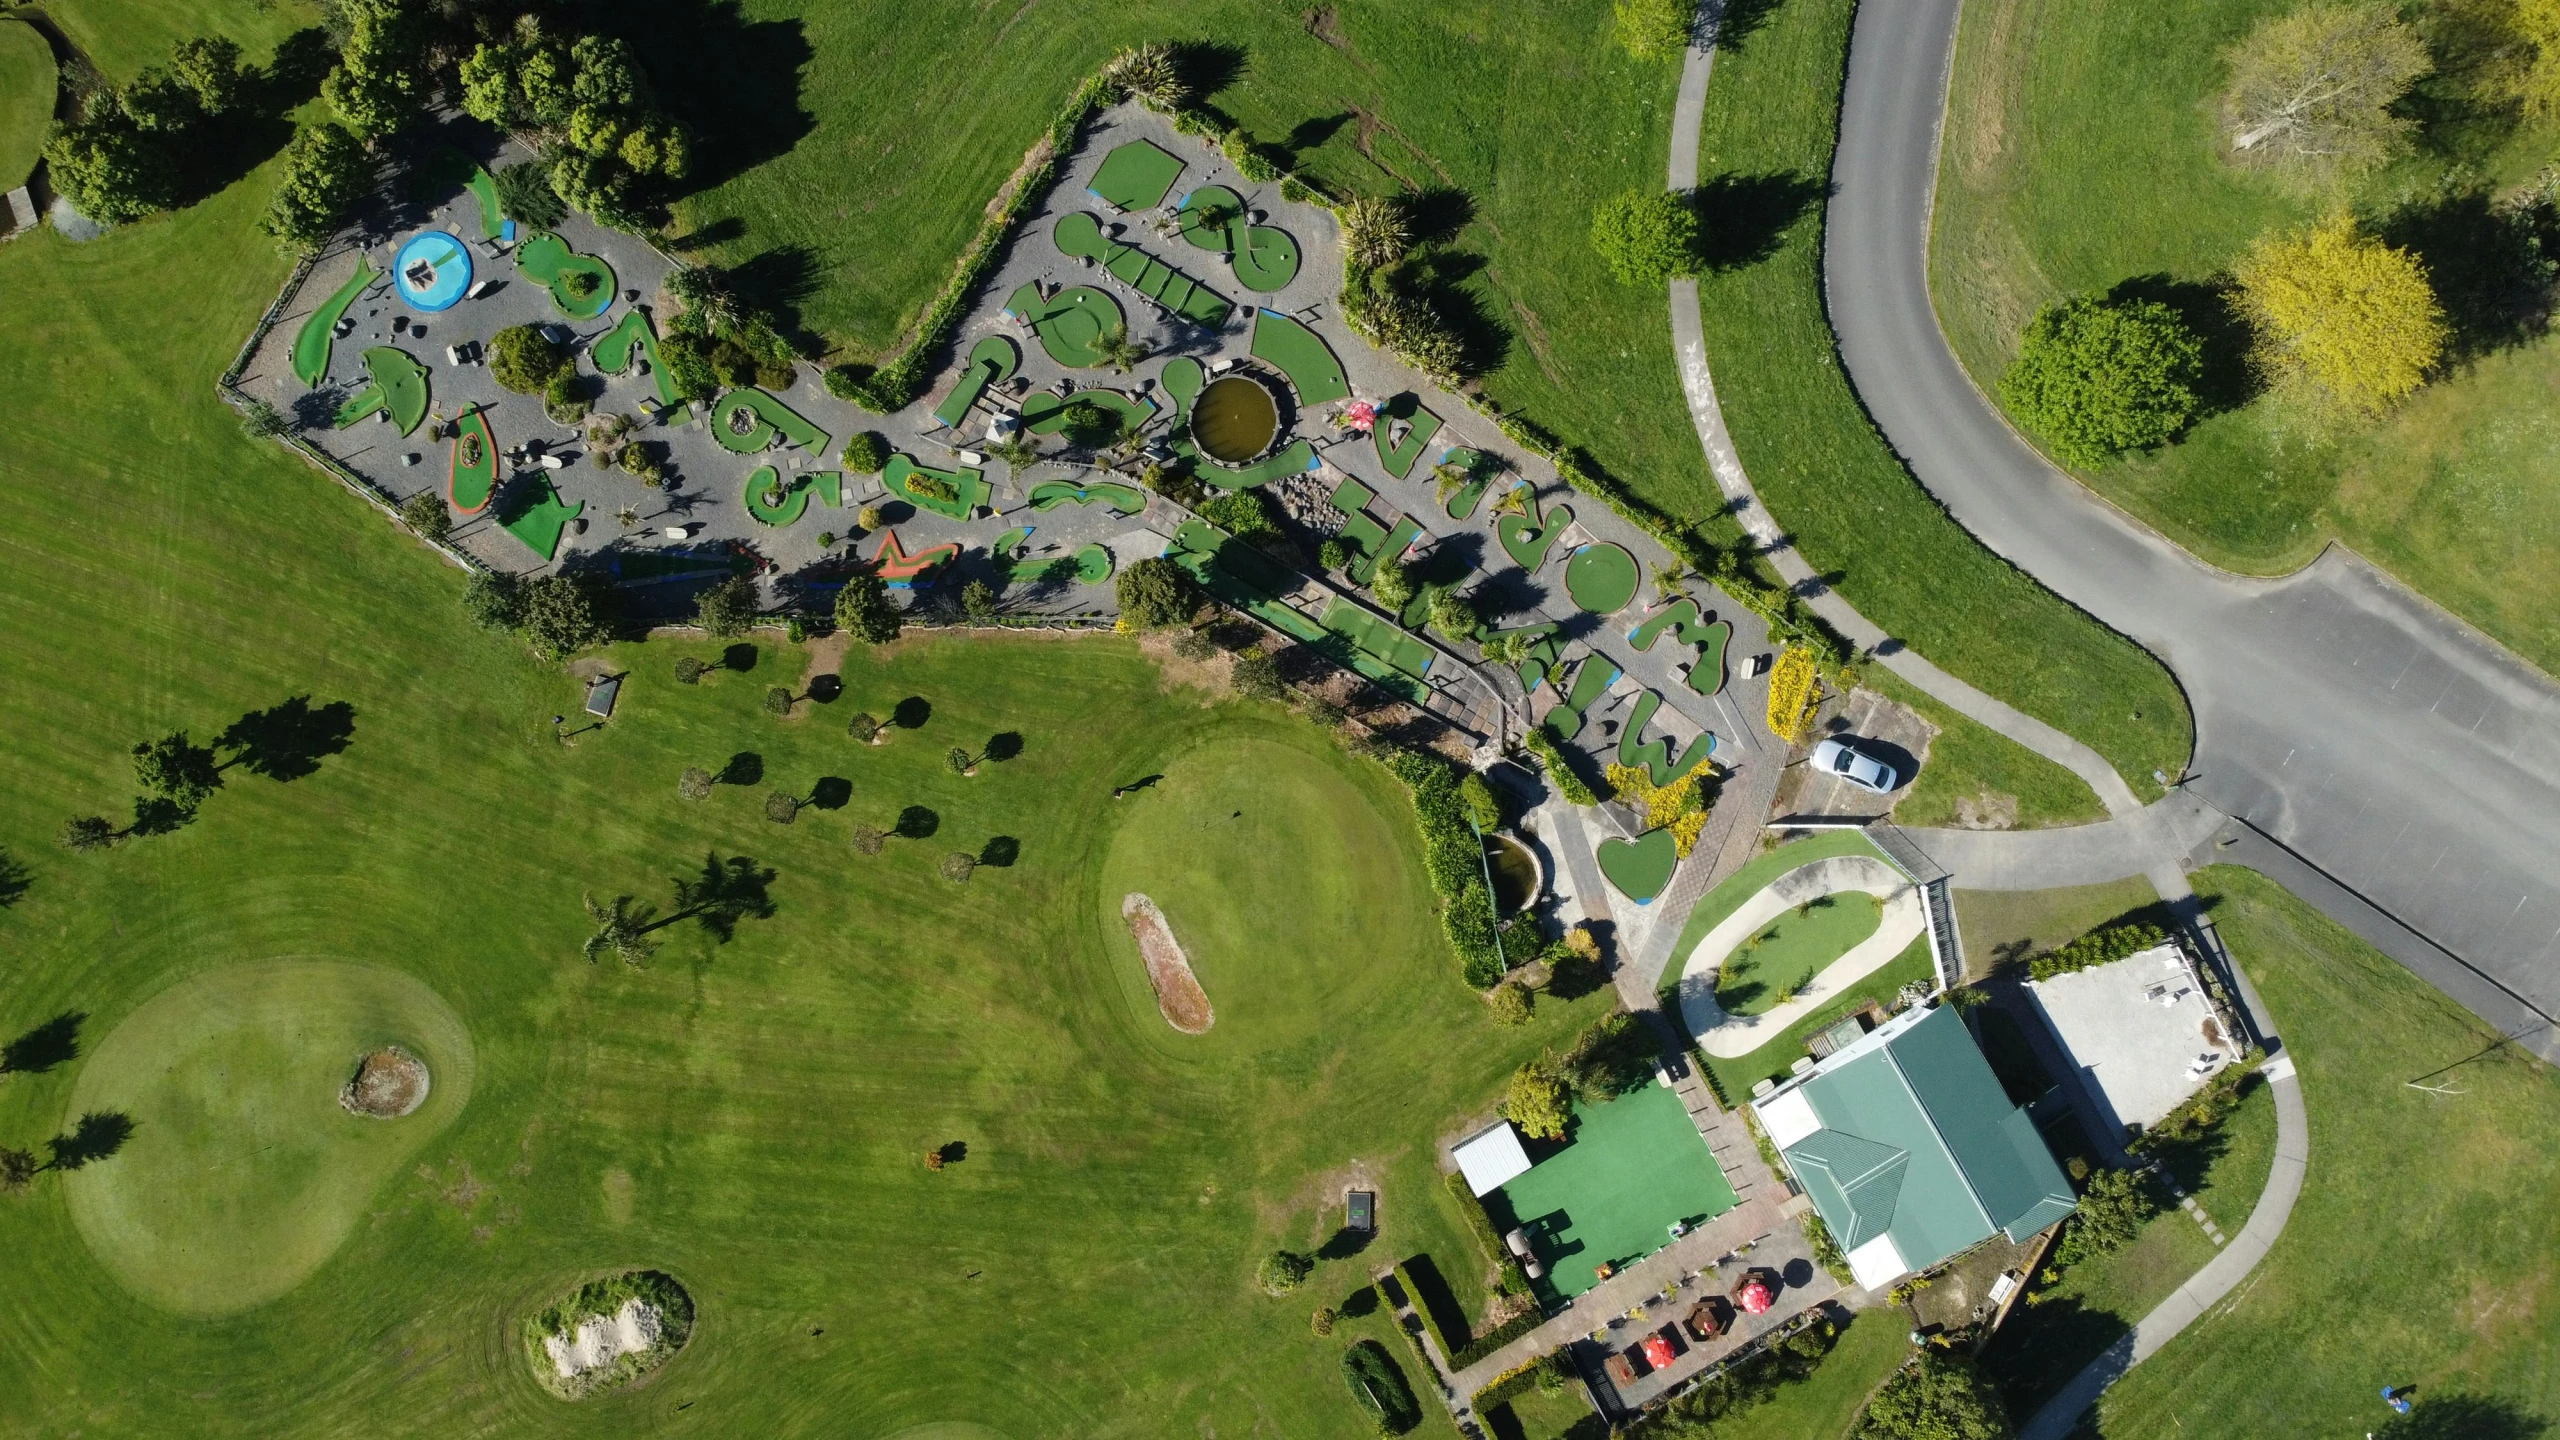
(432, 271)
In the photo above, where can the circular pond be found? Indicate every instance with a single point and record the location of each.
(432, 271)
(1516, 875)
(1235, 419)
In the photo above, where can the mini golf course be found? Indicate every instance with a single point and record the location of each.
(399, 387)
(543, 518)
(1421, 426)
(1591, 680)
(1634, 1165)
(243, 1175)
(1050, 494)
(1302, 355)
(992, 361)
(449, 166)
(546, 260)
(474, 476)
(1078, 233)
(311, 344)
(1680, 618)
(1093, 565)
(1047, 414)
(1655, 755)
(1601, 578)
(795, 496)
(1071, 323)
(1182, 378)
(1640, 868)
(1376, 636)
(769, 418)
(1294, 458)
(637, 334)
(1135, 176)
(1528, 538)
(1263, 259)
(953, 493)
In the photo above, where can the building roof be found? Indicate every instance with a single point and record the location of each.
(1910, 1151)
(1490, 1157)
(2139, 1030)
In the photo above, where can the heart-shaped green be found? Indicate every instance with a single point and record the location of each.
(1641, 867)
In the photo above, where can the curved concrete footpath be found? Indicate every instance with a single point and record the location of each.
(2381, 739)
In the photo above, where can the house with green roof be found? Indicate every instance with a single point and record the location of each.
(1911, 1151)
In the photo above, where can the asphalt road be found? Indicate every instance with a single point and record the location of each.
(2385, 742)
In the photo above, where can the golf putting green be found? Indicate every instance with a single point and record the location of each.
(772, 418)
(613, 352)
(546, 260)
(243, 1174)
(399, 386)
(1591, 680)
(1601, 578)
(1302, 355)
(1680, 617)
(1050, 494)
(1209, 215)
(1264, 259)
(1135, 176)
(1071, 324)
(1047, 414)
(1640, 868)
(1655, 755)
(954, 493)
(449, 166)
(1528, 538)
(1422, 425)
(1182, 379)
(474, 477)
(992, 361)
(1295, 458)
(795, 497)
(1093, 565)
(312, 342)
(542, 520)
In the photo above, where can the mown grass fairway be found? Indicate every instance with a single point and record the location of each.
(2080, 154)
(26, 100)
(752, 1116)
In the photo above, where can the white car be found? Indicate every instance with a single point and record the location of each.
(1835, 757)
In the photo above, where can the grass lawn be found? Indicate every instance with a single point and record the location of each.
(122, 36)
(1535, 1416)
(2055, 182)
(27, 86)
(750, 1116)
(1972, 762)
(2001, 927)
(1771, 119)
(2423, 1248)
(1791, 951)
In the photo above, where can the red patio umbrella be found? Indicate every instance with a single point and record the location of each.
(1753, 1297)
(1657, 1351)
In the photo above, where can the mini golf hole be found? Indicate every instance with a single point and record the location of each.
(388, 1083)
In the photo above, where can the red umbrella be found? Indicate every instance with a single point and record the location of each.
(1657, 1351)
(1753, 1297)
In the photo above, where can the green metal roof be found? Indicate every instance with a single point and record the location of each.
(1918, 1141)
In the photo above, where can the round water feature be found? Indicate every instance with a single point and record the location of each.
(432, 271)
(1517, 876)
(1235, 419)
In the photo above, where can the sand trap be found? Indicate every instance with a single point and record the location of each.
(1178, 994)
(388, 1083)
(603, 1339)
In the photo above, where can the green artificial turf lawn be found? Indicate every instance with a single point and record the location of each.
(1632, 1166)
(542, 521)
(1772, 116)
(1970, 761)
(27, 86)
(243, 1173)
(2421, 1249)
(749, 1116)
(771, 416)
(1790, 951)
(1314, 373)
(313, 342)
(1601, 578)
(2053, 185)
(470, 485)
(1136, 175)
(547, 260)
(1639, 868)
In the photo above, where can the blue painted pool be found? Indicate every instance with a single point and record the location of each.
(432, 271)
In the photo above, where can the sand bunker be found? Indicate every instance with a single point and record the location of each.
(1178, 994)
(388, 1083)
(603, 1339)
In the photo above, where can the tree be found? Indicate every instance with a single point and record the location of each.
(1336, 553)
(1454, 615)
(17, 1170)
(1375, 231)
(1283, 1271)
(1321, 1322)
(863, 609)
(2112, 1211)
(494, 601)
(621, 928)
(425, 513)
(868, 838)
(207, 68)
(1241, 513)
(864, 726)
(177, 769)
(1935, 1396)
(781, 807)
(689, 670)
(867, 453)
(2096, 377)
(82, 834)
(958, 866)
(695, 783)
(978, 598)
(1149, 73)
(1651, 29)
(325, 172)
(382, 68)
(1510, 1004)
(870, 517)
(1647, 236)
(1538, 1100)
(2531, 74)
(523, 359)
(1392, 584)
(1117, 350)
(777, 701)
(956, 760)
(567, 613)
(108, 168)
(262, 421)
(1155, 593)
(2314, 89)
(2351, 315)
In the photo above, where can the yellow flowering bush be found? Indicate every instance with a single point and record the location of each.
(1680, 807)
(1793, 688)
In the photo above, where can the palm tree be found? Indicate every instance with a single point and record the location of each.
(1514, 501)
(1669, 579)
(622, 928)
(1117, 350)
(1016, 452)
(1374, 231)
(628, 516)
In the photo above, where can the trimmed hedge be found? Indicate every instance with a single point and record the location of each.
(1515, 1281)
(1571, 786)
(1379, 1385)
(1497, 1337)
(1454, 857)
(1519, 1380)
(2098, 947)
(1428, 1304)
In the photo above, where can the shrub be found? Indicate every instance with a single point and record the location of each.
(1510, 1004)
(777, 700)
(1646, 236)
(1256, 675)
(689, 670)
(2354, 317)
(694, 784)
(1379, 1385)
(1194, 646)
(1515, 1281)
(1538, 1099)
(2112, 1211)
(728, 608)
(1651, 29)
(1283, 1271)
(426, 514)
(1453, 857)
(1155, 593)
(525, 193)
(1454, 615)
(864, 726)
(2096, 378)
(1321, 1322)
(782, 807)
(867, 453)
(958, 866)
(869, 839)
(1935, 1396)
(494, 601)
(564, 613)
(956, 760)
(1241, 513)
(1794, 687)
(1375, 231)
(1572, 787)
(2099, 947)
(870, 518)
(523, 359)
(561, 401)
(1336, 553)
(1482, 806)
(1392, 585)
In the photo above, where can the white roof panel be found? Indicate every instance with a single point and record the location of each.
(1491, 1157)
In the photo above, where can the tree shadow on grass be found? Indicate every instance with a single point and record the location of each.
(1437, 215)
(724, 893)
(2488, 263)
(777, 281)
(288, 740)
(916, 822)
(1208, 66)
(1743, 219)
(1000, 852)
(832, 792)
(15, 878)
(55, 1042)
(744, 768)
(2465, 1417)
(912, 712)
(736, 82)
(2230, 380)
(1004, 745)
(1736, 21)
(98, 1136)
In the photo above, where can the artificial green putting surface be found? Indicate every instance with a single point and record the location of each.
(613, 352)
(1071, 323)
(1209, 215)
(1295, 458)
(1527, 539)
(1601, 578)
(1182, 378)
(311, 344)
(1264, 259)
(954, 493)
(474, 474)
(992, 361)
(1790, 950)
(1093, 565)
(449, 166)
(1377, 636)
(1630, 1168)
(29, 84)
(1136, 176)
(1591, 680)
(543, 519)
(1047, 414)
(547, 260)
(399, 386)
(1050, 494)
(770, 417)
(795, 496)
(1302, 355)
(1078, 233)
(243, 1174)
(1655, 755)
(1640, 868)
(1680, 618)
(1421, 426)
(827, 485)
